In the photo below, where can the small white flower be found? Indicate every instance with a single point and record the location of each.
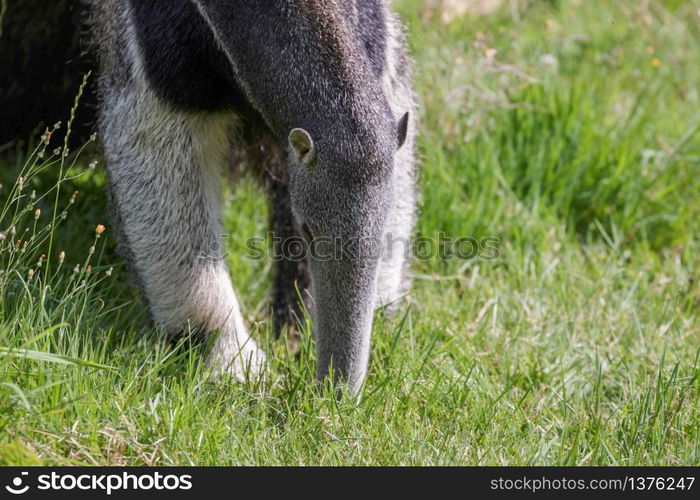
(550, 62)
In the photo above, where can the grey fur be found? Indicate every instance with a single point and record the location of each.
(328, 81)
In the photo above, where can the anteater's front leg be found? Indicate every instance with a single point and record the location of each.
(163, 168)
(292, 280)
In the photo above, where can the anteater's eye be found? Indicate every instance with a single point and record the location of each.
(306, 232)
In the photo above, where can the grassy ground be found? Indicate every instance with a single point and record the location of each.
(567, 129)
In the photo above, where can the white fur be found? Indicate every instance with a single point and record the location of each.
(392, 282)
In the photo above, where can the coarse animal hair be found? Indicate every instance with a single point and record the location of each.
(315, 95)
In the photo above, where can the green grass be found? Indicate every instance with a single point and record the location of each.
(575, 143)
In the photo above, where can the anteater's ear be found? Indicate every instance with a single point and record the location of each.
(403, 129)
(302, 145)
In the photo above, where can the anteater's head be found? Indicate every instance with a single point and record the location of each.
(341, 188)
